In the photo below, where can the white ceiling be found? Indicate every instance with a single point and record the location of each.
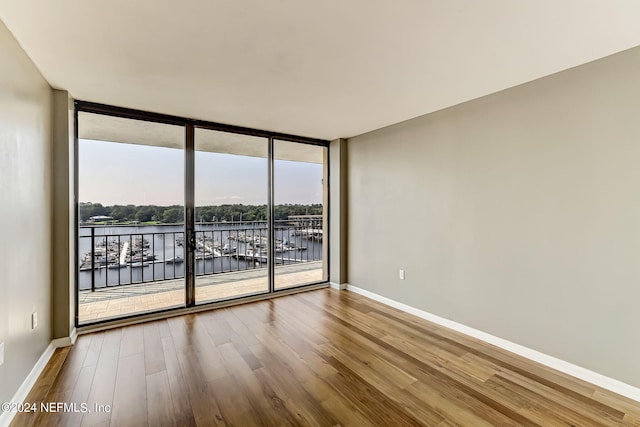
(325, 69)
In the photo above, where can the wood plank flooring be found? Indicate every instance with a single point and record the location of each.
(320, 358)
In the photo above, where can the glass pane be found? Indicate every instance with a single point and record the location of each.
(231, 215)
(300, 217)
(131, 217)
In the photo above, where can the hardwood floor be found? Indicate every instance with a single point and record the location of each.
(320, 358)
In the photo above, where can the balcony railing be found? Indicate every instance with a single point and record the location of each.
(111, 258)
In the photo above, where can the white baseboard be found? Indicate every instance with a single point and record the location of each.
(65, 341)
(338, 286)
(29, 382)
(61, 342)
(560, 365)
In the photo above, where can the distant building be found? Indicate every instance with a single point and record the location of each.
(100, 218)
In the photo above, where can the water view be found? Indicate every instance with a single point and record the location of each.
(133, 254)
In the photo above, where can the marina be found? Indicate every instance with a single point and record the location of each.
(125, 255)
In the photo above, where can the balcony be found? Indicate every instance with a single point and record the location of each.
(127, 270)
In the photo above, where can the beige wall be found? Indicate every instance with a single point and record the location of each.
(517, 214)
(25, 213)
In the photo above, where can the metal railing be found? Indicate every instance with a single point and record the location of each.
(108, 257)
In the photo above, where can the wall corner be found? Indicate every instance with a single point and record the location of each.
(338, 215)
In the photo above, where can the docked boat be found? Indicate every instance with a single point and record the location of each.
(142, 257)
(227, 250)
(115, 266)
(139, 264)
(204, 255)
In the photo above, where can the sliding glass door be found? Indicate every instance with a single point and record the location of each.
(131, 217)
(231, 198)
(299, 214)
(173, 213)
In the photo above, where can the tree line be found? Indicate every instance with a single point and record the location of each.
(175, 213)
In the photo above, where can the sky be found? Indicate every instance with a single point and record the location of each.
(114, 173)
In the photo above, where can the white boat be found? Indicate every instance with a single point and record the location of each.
(204, 255)
(114, 266)
(139, 264)
(176, 260)
(227, 250)
(142, 257)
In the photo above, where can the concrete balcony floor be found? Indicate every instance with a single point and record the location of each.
(118, 301)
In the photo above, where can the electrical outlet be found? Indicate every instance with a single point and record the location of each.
(34, 320)
(401, 274)
(1, 353)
